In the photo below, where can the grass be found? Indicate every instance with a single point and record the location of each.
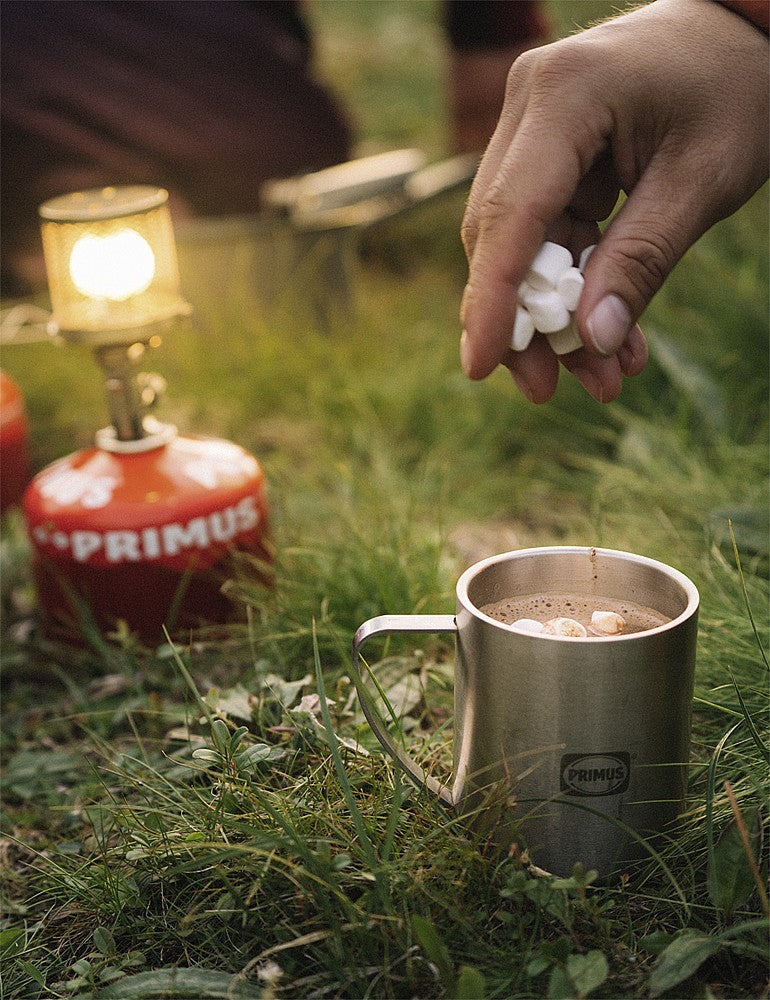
(153, 846)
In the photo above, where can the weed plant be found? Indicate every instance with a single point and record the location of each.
(212, 817)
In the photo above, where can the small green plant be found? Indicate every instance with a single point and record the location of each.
(568, 905)
(104, 965)
(681, 955)
(231, 758)
(465, 983)
(570, 974)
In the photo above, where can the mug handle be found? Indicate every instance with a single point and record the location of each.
(386, 625)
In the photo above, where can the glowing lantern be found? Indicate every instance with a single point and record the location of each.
(143, 526)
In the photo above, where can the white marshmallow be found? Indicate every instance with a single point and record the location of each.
(607, 622)
(569, 286)
(545, 307)
(527, 625)
(583, 259)
(548, 298)
(550, 261)
(523, 329)
(525, 289)
(565, 626)
(567, 340)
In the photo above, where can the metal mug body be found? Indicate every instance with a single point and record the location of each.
(574, 748)
(587, 740)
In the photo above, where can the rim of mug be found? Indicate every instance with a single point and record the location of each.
(691, 591)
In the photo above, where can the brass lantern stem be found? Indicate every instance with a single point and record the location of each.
(123, 400)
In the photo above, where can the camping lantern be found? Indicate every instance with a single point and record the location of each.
(142, 526)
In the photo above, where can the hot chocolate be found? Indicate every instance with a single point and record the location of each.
(574, 615)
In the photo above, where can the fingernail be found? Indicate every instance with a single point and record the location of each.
(633, 354)
(608, 324)
(465, 353)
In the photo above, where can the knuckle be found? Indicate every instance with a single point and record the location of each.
(520, 72)
(646, 260)
(495, 207)
(469, 231)
(560, 65)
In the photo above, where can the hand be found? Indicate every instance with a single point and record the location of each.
(668, 103)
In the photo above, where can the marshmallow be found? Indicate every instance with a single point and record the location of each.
(583, 259)
(607, 622)
(523, 330)
(569, 286)
(565, 626)
(526, 290)
(528, 625)
(548, 298)
(545, 307)
(551, 260)
(567, 340)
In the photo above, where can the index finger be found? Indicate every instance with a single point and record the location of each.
(516, 94)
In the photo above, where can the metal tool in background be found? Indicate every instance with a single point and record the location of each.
(297, 256)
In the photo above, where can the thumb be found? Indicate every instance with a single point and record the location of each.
(661, 219)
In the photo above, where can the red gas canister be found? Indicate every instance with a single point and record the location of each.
(14, 463)
(144, 531)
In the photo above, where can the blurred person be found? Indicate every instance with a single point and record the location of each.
(208, 98)
(667, 103)
(484, 38)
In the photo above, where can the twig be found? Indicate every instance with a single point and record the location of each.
(744, 835)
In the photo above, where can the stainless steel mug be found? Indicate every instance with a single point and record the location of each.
(576, 747)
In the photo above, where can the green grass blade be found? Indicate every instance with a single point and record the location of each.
(710, 788)
(364, 838)
(759, 743)
(747, 602)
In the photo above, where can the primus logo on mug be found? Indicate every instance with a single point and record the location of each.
(595, 773)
